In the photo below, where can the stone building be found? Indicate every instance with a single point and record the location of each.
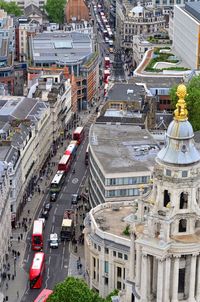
(165, 245)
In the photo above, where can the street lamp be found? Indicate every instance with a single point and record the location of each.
(15, 259)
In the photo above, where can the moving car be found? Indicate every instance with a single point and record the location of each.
(53, 242)
(74, 198)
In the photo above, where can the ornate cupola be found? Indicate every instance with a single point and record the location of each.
(167, 261)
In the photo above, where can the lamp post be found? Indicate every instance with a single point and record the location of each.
(15, 259)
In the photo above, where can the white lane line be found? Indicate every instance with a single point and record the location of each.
(47, 278)
(52, 229)
(63, 255)
(49, 259)
(61, 195)
(55, 210)
(82, 180)
(53, 220)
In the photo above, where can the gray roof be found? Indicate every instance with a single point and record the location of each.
(156, 82)
(63, 47)
(123, 148)
(193, 8)
(126, 92)
(32, 9)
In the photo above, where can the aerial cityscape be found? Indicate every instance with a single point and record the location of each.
(99, 151)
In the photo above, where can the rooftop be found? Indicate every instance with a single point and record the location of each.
(62, 47)
(111, 219)
(193, 8)
(126, 92)
(123, 148)
(156, 82)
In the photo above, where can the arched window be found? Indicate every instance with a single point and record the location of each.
(183, 200)
(166, 198)
(182, 226)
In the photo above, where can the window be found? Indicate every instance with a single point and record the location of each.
(119, 272)
(95, 246)
(99, 248)
(106, 250)
(166, 197)
(168, 172)
(94, 275)
(106, 267)
(94, 262)
(183, 200)
(184, 173)
(10, 182)
(182, 226)
(125, 257)
(114, 254)
(120, 255)
(106, 281)
(119, 285)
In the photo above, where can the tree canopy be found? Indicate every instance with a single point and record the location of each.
(11, 8)
(76, 290)
(192, 100)
(55, 10)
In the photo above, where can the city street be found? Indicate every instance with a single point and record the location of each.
(57, 260)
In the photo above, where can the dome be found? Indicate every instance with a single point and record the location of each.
(180, 130)
(137, 9)
(180, 147)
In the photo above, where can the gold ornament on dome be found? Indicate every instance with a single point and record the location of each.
(181, 113)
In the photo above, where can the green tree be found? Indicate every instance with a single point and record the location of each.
(76, 290)
(192, 100)
(11, 8)
(55, 10)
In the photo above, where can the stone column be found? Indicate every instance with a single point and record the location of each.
(145, 280)
(167, 280)
(192, 278)
(138, 265)
(132, 259)
(198, 279)
(154, 281)
(160, 281)
(175, 280)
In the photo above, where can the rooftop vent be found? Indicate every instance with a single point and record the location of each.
(129, 91)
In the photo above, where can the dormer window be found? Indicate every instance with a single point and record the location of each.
(168, 172)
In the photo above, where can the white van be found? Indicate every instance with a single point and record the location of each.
(53, 241)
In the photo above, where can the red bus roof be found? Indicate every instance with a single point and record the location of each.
(107, 59)
(70, 149)
(45, 293)
(36, 265)
(78, 130)
(37, 227)
(65, 158)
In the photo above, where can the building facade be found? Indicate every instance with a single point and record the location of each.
(26, 142)
(68, 50)
(165, 251)
(5, 216)
(121, 161)
(107, 249)
(186, 37)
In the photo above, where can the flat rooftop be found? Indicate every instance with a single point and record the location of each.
(111, 220)
(123, 148)
(193, 8)
(63, 47)
(126, 92)
(156, 82)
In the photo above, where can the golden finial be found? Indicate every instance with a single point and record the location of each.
(168, 206)
(181, 113)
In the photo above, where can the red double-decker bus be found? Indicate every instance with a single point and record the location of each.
(45, 293)
(79, 134)
(65, 163)
(37, 236)
(37, 270)
(106, 75)
(71, 149)
(107, 62)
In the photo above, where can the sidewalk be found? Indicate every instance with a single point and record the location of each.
(14, 285)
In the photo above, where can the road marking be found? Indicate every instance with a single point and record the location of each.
(47, 278)
(49, 259)
(61, 195)
(82, 180)
(52, 229)
(53, 220)
(55, 209)
(75, 181)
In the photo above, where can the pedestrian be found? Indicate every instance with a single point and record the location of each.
(80, 266)
(18, 254)
(8, 266)
(29, 221)
(19, 225)
(28, 212)
(15, 255)
(13, 277)
(13, 252)
(6, 285)
(18, 238)
(21, 236)
(8, 276)
(17, 294)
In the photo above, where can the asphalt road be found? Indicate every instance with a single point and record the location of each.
(57, 259)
